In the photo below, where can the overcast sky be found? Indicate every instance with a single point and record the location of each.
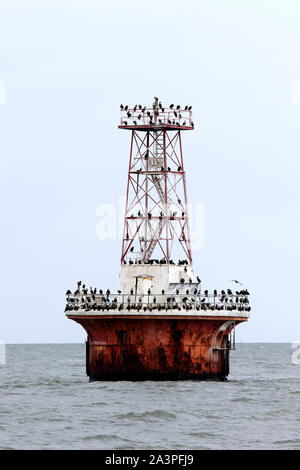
(66, 67)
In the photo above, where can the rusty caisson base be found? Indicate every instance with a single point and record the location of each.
(150, 348)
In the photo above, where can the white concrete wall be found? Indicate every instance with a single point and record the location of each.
(154, 276)
(176, 273)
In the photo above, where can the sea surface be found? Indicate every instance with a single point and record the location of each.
(47, 402)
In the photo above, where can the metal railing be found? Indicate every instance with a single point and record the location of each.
(157, 116)
(169, 301)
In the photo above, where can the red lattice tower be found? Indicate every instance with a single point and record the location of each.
(156, 218)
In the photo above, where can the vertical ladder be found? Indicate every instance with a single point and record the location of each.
(156, 180)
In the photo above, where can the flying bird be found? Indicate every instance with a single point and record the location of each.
(237, 282)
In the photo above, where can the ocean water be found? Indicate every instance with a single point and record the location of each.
(47, 402)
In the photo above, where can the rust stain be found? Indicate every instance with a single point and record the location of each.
(156, 349)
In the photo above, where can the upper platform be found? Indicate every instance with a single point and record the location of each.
(185, 299)
(158, 117)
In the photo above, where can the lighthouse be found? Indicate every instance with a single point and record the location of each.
(161, 324)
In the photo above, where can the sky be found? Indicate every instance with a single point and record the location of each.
(65, 67)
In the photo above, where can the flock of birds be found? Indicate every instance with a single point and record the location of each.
(192, 299)
(161, 215)
(162, 169)
(139, 112)
(153, 261)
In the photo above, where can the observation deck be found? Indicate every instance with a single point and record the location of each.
(158, 117)
(191, 302)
